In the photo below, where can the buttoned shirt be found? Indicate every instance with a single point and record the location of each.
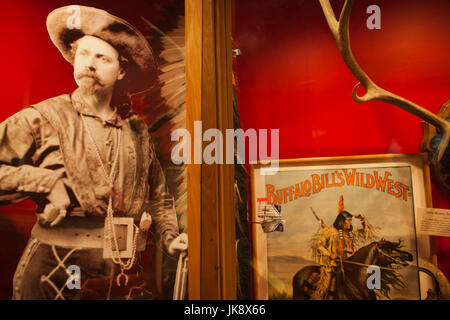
(35, 152)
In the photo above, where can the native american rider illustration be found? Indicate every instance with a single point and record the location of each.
(332, 244)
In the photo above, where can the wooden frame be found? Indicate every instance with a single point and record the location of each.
(212, 258)
(321, 192)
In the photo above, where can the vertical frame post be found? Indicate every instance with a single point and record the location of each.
(211, 204)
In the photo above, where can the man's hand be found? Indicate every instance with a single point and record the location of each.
(56, 209)
(359, 216)
(180, 243)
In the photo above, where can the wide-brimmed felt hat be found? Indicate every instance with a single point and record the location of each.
(68, 24)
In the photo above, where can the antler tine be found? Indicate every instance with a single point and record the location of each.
(340, 32)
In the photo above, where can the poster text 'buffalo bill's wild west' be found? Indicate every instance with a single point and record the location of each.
(381, 181)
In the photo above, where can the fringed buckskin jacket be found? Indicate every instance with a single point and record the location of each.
(47, 141)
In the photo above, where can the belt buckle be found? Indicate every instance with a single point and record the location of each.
(124, 224)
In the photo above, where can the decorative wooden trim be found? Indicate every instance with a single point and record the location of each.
(211, 206)
(193, 113)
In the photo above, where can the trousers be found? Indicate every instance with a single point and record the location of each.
(42, 274)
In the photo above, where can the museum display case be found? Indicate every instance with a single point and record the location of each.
(303, 146)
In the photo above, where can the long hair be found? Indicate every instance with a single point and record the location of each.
(340, 220)
(121, 96)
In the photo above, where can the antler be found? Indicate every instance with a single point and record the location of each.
(340, 32)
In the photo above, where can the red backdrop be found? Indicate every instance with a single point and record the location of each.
(291, 76)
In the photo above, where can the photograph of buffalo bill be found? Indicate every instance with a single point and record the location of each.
(86, 160)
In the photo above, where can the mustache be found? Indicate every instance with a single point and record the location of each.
(89, 74)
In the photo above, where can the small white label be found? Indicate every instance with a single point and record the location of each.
(435, 222)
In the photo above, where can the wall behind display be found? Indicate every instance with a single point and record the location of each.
(291, 77)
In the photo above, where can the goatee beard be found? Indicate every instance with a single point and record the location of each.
(89, 82)
(98, 94)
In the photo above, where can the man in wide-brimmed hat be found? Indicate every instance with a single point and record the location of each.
(87, 161)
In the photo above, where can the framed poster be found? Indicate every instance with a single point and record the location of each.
(345, 228)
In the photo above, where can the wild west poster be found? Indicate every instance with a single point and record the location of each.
(382, 199)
